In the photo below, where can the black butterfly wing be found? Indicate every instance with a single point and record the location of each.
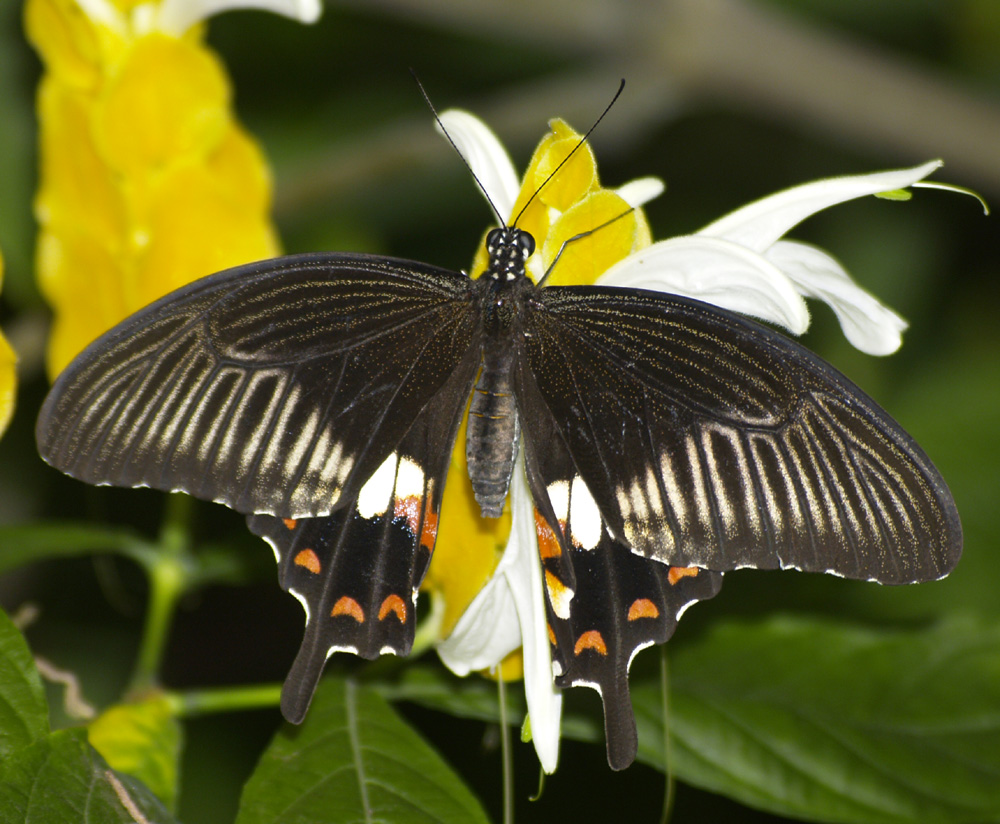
(604, 602)
(277, 387)
(358, 570)
(710, 441)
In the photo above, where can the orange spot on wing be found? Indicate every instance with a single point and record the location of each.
(428, 535)
(552, 635)
(642, 608)
(676, 573)
(393, 603)
(348, 606)
(310, 560)
(291, 523)
(548, 542)
(591, 639)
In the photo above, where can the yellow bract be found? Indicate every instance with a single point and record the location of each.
(147, 181)
(469, 546)
(8, 375)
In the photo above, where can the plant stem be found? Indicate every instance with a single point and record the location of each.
(167, 582)
(224, 699)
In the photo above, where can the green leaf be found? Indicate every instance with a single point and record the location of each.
(143, 740)
(61, 779)
(354, 760)
(24, 714)
(818, 721)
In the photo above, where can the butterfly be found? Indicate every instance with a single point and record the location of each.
(665, 441)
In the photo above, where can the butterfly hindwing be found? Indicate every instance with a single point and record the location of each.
(604, 602)
(275, 387)
(710, 441)
(357, 570)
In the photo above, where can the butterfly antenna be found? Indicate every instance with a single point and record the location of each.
(444, 131)
(565, 160)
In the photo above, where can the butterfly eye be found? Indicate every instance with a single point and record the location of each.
(493, 238)
(527, 244)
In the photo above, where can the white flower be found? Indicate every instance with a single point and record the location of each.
(177, 16)
(740, 263)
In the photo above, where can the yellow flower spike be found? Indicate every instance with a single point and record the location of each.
(585, 259)
(85, 307)
(577, 177)
(218, 230)
(147, 181)
(8, 375)
(76, 191)
(66, 39)
(169, 98)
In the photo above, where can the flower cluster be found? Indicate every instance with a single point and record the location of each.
(739, 262)
(147, 181)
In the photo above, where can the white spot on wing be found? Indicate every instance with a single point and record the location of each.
(409, 479)
(374, 497)
(560, 596)
(585, 517)
(559, 498)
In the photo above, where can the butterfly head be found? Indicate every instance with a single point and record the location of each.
(509, 248)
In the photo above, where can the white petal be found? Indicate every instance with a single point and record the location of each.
(103, 12)
(177, 16)
(715, 271)
(487, 632)
(490, 629)
(640, 191)
(867, 323)
(486, 156)
(761, 223)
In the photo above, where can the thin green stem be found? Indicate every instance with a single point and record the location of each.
(505, 753)
(167, 582)
(224, 699)
(668, 793)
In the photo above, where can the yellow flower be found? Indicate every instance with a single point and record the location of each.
(8, 375)
(147, 181)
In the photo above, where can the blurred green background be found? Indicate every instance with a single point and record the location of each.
(726, 101)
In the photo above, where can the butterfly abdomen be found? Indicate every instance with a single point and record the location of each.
(492, 434)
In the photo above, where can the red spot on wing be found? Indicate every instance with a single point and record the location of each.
(310, 560)
(591, 639)
(393, 604)
(548, 543)
(408, 509)
(676, 573)
(348, 606)
(642, 608)
(291, 523)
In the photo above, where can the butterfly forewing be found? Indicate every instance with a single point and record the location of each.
(357, 571)
(276, 387)
(710, 441)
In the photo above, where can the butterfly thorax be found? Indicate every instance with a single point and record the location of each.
(493, 428)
